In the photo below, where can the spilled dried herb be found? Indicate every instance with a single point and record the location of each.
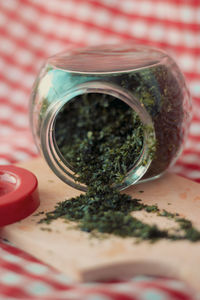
(101, 138)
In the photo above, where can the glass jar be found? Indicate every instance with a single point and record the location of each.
(146, 79)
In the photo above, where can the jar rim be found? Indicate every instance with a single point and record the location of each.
(107, 58)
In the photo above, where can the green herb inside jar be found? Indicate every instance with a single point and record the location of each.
(101, 137)
(159, 90)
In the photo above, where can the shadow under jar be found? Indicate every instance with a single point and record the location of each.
(139, 91)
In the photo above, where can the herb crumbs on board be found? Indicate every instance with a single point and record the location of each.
(39, 213)
(46, 229)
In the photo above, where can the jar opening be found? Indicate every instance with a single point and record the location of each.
(103, 126)
(98, 135)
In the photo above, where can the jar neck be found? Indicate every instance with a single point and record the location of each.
(50, 149)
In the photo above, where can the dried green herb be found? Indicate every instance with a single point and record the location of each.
(158, 89)
(101, 138)
(107, 214)
(167, 214)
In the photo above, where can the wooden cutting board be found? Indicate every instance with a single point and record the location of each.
(86, 258)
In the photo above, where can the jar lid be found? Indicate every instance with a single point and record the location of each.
(18, 194)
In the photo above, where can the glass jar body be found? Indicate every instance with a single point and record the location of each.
(148, 80)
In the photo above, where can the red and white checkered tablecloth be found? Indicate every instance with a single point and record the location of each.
(32, 30)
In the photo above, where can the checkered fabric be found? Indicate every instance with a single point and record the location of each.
(31, 31)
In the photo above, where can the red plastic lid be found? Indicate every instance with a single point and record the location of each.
(18, 194)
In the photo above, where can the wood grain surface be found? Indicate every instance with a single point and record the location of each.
(84, 257)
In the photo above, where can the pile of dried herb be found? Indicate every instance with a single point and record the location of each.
(101, 138)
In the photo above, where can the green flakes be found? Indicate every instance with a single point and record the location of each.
(101, 138)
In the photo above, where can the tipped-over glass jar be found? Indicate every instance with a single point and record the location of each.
(145, 80)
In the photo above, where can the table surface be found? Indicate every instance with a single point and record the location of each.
(32, 30)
